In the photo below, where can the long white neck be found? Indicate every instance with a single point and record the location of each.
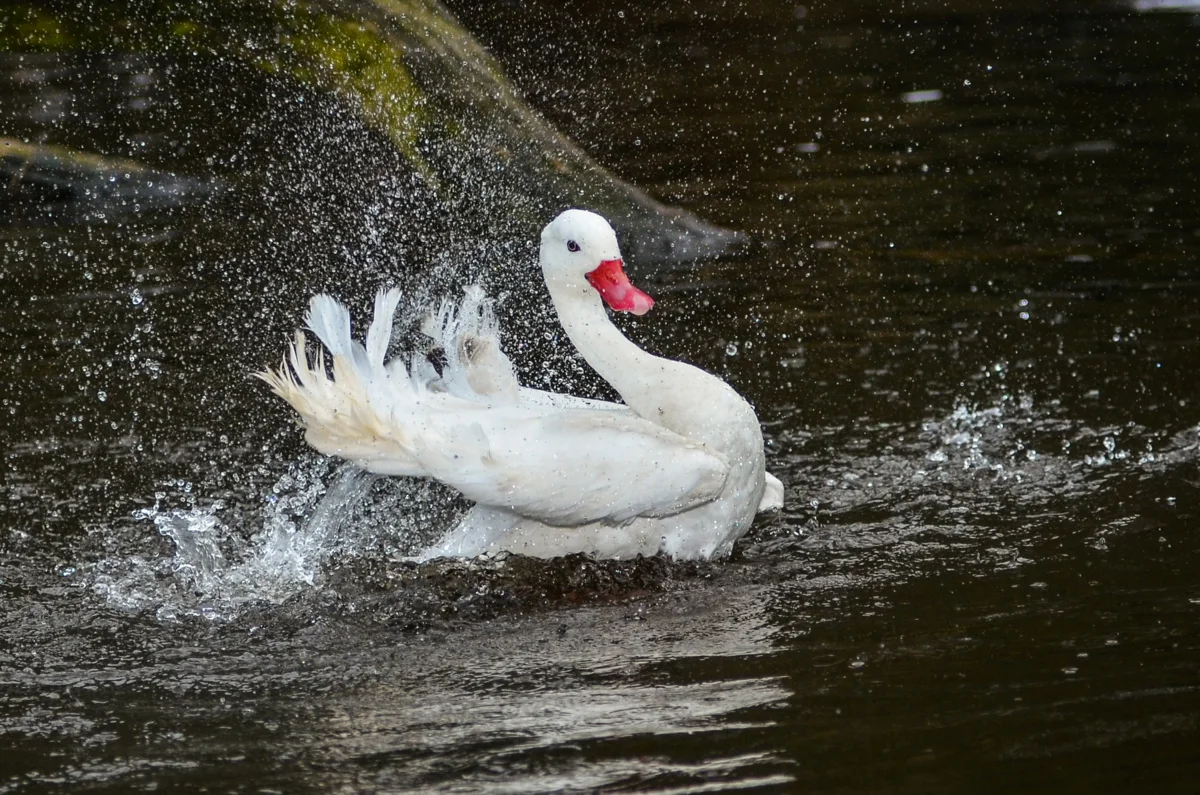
(675, 395)
(626, 367)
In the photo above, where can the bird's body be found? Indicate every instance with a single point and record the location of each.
(678, 469)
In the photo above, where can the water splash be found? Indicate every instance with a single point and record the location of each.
(213, 574)
(292, 552)
(886, 501)
(980, 485)
(199, 561)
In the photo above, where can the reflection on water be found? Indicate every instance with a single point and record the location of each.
(969, 328)
(550, 685)
(533, 700)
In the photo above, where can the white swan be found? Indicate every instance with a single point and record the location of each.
(678, 469)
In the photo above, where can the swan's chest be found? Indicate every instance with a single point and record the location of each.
(702, 408)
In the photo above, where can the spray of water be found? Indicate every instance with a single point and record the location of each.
(309, 516)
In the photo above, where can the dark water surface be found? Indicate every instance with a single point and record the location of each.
(969, 326)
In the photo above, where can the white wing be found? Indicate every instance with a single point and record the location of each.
(468, 336)
(572, 467)
(476, 367)
(561, 460)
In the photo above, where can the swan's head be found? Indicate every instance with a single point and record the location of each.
(580, 247)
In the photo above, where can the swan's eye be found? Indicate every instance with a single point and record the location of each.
(572, 245)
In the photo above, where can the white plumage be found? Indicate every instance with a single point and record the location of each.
(678, 469)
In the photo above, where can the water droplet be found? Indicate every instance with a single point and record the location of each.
(731, 349)
(136, 297)
(102, 396)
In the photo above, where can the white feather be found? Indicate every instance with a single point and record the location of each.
(330, 321)
(380, 332)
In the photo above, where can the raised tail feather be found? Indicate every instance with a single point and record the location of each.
(348, 415)
(469, 337)
(371, 412)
